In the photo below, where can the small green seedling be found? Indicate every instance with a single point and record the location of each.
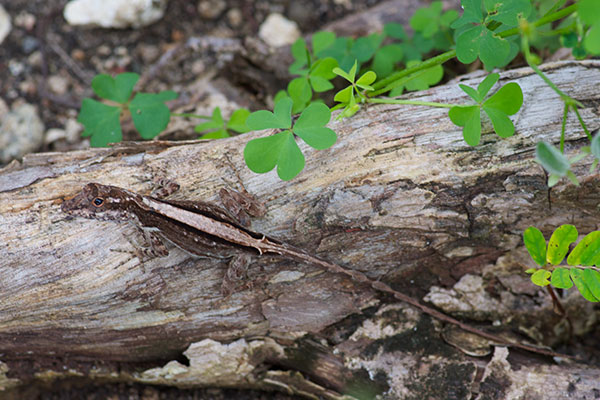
(218, 128)
(558, 165)
(347, 97)
(102, 121)
(582, 261)
(506, 101)
(281, 149)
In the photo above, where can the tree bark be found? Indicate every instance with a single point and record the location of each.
(400, 197)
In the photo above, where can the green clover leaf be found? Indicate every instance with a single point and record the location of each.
(237, 120)
(281, 150)
(386, 58)
(588, 11)
(149, 113)
(219, 129)
(101, 122)
(280, 118)
(426, 19)
(310, 126)
(469, 117)
(508, 12)
(591, 41)
(475, 38)
(117, 89)
(480, 41)
(300, 93)
(263, 154)
(215, 126)
(506, 101)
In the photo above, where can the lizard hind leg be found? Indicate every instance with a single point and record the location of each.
(236, 275)
(163, 187)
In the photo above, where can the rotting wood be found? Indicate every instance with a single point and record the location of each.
(400, 197)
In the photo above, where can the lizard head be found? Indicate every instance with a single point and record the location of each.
(97, 201)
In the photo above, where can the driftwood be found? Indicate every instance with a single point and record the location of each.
(400, 197)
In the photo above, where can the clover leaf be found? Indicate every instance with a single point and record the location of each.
(149, 113)
(506, 101)
(386, 58)
(263, 154)
(280, 118)
(316, 78)
(428, 20)
(310, 127)
(117, 89)
(102, 122)
(281, 150)
(589, 13)
(218, 128)
(476, 39)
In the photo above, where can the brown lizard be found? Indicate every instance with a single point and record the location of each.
(205, 229)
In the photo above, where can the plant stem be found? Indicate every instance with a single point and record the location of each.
(189, 115)
(562, 128)
(531, 63)
(585, 129)
(544, 20)
(410, 102)
(381, 86)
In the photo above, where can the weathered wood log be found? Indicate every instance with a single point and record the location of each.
(400, 197)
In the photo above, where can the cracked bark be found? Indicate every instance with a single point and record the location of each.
(400, 197)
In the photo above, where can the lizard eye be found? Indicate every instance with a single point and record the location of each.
(98, 201)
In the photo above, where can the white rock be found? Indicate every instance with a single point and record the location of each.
(114, 13)
(21, 132)
(58, 84)
(4, 24)
(25, 20)
(278, 31)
